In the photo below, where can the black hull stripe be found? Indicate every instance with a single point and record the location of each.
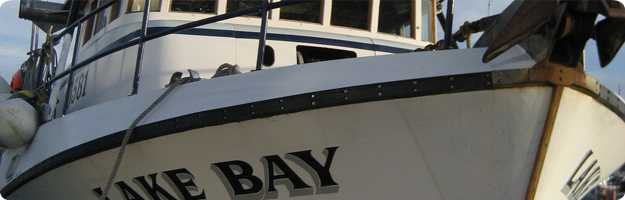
(270, 36)
(262, 109)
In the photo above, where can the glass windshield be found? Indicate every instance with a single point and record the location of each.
(234, 5)
(199, 6)
(308, 12)
(396, 17)
(350, 13)
(137, 5)
(427, 20)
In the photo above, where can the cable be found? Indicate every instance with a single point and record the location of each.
(176, 81)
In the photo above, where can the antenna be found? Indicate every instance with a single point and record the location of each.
(490, 5)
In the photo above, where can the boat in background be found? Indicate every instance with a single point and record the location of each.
(246, 100)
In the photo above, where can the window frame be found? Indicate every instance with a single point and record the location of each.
(97, 16)
(129, 6)
(89, 23)
(117, 5)
(413, 21)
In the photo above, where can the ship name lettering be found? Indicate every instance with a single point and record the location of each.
(238, 178)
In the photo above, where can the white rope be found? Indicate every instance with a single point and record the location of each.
(128, 133)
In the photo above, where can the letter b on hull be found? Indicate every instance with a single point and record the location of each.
(242, 186)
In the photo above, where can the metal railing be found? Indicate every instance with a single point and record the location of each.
(76, 27)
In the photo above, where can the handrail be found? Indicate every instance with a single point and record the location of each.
(167, 31)
(70, 27)
(139, 59)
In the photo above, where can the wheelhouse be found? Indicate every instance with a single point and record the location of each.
(408, 21)
(296, 34)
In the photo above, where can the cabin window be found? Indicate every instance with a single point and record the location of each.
(234, 5)
(308, 54)
(427, 19)
(89, 24)
(101, 19)
(198, 6)
(137, 5)
(308, 12)
(350, 13)
(115, 7)
(396, 17)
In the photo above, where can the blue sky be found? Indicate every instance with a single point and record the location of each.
(14, 40)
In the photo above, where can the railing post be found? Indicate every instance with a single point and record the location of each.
(144, 32)
(449, 23)
(71, 66)
(262, 36)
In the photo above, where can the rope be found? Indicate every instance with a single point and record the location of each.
(128, 133)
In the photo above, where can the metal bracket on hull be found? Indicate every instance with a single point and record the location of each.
(544, 141)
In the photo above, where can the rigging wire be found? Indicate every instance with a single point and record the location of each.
(175, 82)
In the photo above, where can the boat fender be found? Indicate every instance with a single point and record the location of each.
(4, 86)
(18, 123)
(17, 82)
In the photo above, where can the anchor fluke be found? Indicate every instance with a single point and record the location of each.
(521, 20)
(610, 36)
(563, 26)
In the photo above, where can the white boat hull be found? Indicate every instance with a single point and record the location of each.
(472, 145)
(404, 126)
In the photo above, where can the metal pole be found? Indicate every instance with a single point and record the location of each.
(449, 24)
(32, 37)
(144, 32)
(263, 36)
(71, 73)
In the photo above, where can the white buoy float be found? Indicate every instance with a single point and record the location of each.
(18, 119)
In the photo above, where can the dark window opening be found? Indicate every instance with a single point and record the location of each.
(269, 58)
(308, 54)
(89, 24)
(396, 17)
(350, 13)
(115, 7)
(308, 12)
(199, 6)
(137, 5)
(101, 19)
(234, 5)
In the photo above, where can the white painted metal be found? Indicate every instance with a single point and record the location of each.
(473, 145)
(582, 125)
(101, 120)
(112, 76)
(18, 123)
